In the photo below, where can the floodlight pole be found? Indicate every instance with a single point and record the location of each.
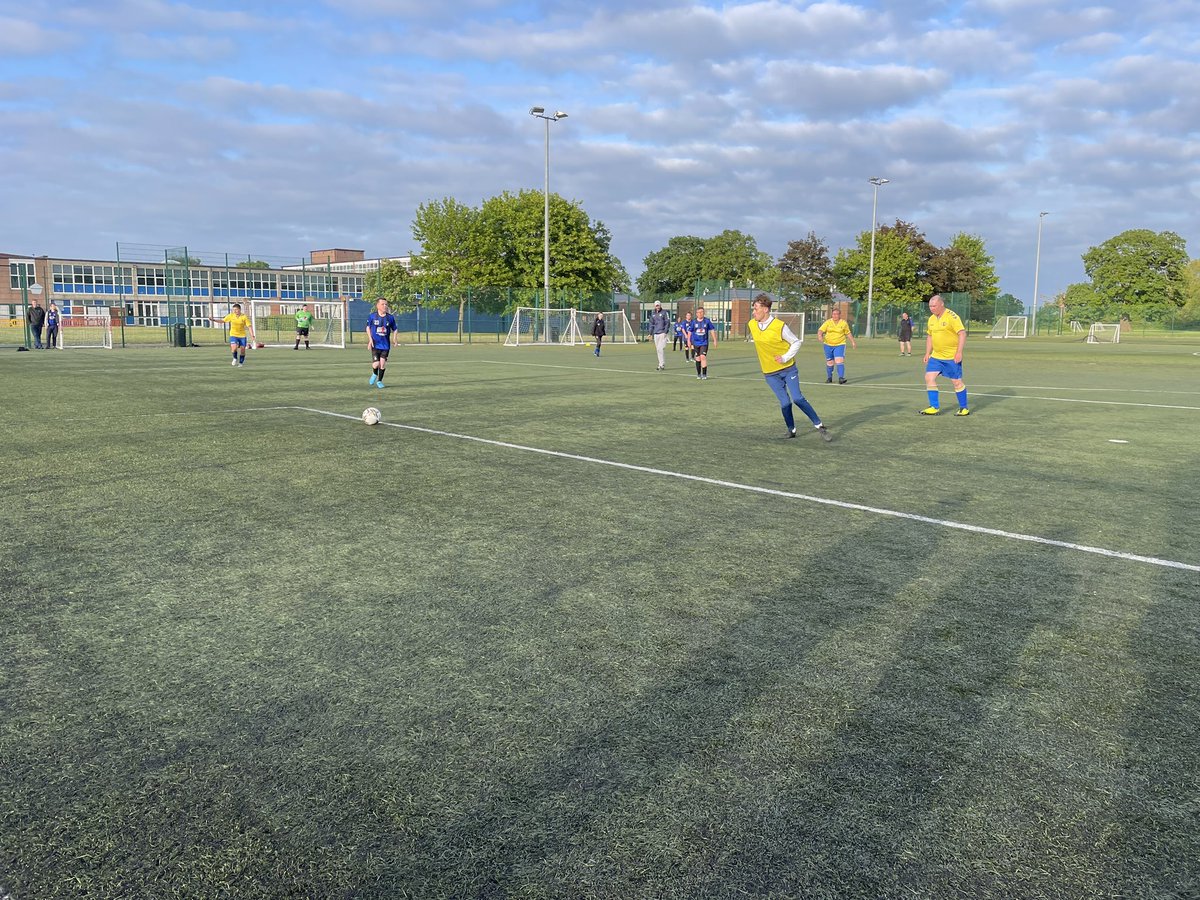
(539, 112)
(1037, 264)
(871, 265)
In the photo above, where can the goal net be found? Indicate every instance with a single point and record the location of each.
(1101, 333)
(533, 325)
(275, 323)
(1010, 327)
(83, 332)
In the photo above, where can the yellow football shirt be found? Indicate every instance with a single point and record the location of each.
(943, 331)
(769, 343)
(835, 332)
(238, 324)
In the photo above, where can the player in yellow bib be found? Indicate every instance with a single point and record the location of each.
(239, 325)
(945, 338)
(777, 347)
(833, 334)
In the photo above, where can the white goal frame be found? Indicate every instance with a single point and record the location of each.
(1010, 327)
(537, 326)
(275, 322)
(1104, 333)
(793, 320)
(87, 332)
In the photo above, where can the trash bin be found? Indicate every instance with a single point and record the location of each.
(181, 336)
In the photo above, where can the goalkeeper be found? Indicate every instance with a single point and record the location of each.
(777, 347)
(304, 320)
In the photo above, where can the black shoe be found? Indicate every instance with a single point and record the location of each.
(824, 432)
(790, 434)
(829, 380)
(841, 381)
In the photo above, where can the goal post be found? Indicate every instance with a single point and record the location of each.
(1102, 333)
(275, 322)
(538, 326)
(85, 332)
(1010, 327)
(793, 320)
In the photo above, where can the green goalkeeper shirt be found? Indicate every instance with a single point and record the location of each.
(304, 319)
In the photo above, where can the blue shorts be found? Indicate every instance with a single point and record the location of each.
(834, 352)
(239, 342)
(947, 367)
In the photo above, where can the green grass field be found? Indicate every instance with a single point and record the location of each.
(498, 647)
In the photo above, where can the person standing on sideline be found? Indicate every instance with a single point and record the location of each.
(904, 332)
(381, 325)
(833, 334)
(660, 324)
(53, 320)
(36, 317)
(701, 336)
(679, 339)
(945, 338)
(598, 331)
(777, 347)
(304, 320)
(239, 324)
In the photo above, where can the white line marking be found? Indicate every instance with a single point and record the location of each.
(1117, 441)
(840, 504)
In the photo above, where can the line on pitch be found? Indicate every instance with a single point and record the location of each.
(755, 489)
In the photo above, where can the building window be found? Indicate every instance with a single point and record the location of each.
(16, 270)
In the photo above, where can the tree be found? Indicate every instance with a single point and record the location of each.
(674, 269)
(920, 246)
(896, 270)
(390, 280)
(1080, 301)
(1191, 292)
(252, 264)
(805, 269)
(986, 282)
(1138, 272)
(733, 257)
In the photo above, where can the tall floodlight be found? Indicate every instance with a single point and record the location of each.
(871, 265)
(1037, 265)
(539, 112)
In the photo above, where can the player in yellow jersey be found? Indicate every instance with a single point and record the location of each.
(946, 336)
(239, 324)
(777, 347)
(833, 334)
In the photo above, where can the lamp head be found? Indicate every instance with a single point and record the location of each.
(536, 110)
(560, 115)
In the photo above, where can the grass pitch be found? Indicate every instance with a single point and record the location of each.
(252, 647)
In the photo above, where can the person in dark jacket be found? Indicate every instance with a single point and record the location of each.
(36, 317)
(904, 333)
(598, 331)
(660, 324)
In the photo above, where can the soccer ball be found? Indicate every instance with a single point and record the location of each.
(371, 416)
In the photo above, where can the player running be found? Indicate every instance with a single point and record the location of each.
(239, 324)
(701, 336)
(777, 347)
(381, 324)
(945, 338)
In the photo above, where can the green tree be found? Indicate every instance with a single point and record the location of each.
(922, 249)
(390, 280)
(897, 281)
(252, 264)
(733, 257)
(1138, 273)
(806, 271)
(1191, 293)
(986, 281)
(1081, 302)
(674, 269)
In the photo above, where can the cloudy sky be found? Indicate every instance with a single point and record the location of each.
(271, 129)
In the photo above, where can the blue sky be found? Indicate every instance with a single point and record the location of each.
(272, 129)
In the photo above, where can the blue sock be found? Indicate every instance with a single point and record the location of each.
(933, 398)
(841, 367)
(962, 398)
(789, 418)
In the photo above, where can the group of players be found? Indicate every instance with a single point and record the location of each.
(775, 344)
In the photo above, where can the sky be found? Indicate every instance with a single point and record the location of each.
(271, 129)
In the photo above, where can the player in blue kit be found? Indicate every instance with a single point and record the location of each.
(701, 336)
(380, 326)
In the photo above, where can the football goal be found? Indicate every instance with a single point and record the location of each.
(1101, 333)
(538, 326)
(83, 332)
(1010, 327)
(275, 323)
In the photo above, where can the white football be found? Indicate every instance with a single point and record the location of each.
(371, 415)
